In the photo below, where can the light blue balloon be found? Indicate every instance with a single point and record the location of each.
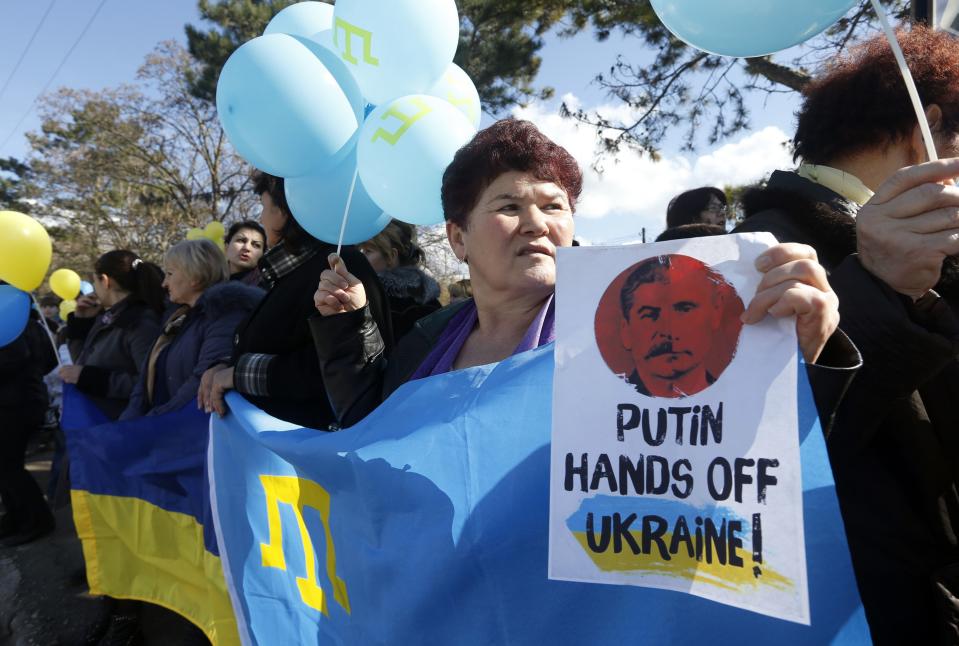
(282, 109)
(85, 288)
(14, 313)
(747, 28)
(318, 203)
(339, 70)
(397, 47)
(404, 148)
(302, 19)
(457, 87)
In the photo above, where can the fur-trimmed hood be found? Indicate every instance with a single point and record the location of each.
(226, 297)
(410, 283)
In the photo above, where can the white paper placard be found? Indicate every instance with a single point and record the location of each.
(675, 447)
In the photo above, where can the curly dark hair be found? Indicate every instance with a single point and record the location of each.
(860, 100)
(507, 145)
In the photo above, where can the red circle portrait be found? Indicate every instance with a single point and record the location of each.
(669, 325)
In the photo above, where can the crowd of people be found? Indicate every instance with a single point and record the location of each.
(866, 264)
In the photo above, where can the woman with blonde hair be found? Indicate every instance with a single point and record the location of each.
(200, 331)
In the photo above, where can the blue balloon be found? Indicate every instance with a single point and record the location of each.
(398, 47)
(404, 148)
(302, 19)
(457, 87)
(14, 313)
(85, 288)
(339, 70)
(748, 27)
(318, 203)
(282, 109)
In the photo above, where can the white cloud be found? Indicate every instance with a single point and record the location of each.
(633, 191)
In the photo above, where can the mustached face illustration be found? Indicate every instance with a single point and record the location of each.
(672, 310)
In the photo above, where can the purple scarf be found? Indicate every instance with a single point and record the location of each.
(540, 332)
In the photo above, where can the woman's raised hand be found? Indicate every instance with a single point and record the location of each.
(339, 291)
(795, 284)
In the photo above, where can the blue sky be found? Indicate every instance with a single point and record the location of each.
(124, 31)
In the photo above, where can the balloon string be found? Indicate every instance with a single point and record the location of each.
(43, 319)
(910, 83)
(346, 212)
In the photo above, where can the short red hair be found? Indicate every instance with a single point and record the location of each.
(507, 145)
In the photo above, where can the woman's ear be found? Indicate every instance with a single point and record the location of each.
(457, 240)
(934, 117)
(917, 142)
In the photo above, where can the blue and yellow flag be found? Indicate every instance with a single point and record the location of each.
(141, 508)
(427, 523)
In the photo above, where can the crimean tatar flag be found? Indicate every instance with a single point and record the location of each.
(427, 523)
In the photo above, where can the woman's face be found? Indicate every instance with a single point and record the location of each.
(512, 234)
(100, 287)
(273, 220)
(182, 289)
(378, 261)
(714, 213)
(244, 250)
(375, 257)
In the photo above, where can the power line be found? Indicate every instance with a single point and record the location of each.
(49, 82)
(26, 49)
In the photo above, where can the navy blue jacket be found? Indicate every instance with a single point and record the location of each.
(205, 339)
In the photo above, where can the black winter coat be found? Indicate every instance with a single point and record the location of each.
(412, 295)
(280, 326)
(894, 445)
(353, 357)
(115, 345)
(23, 363)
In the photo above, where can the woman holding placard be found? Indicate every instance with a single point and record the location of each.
(508, 199)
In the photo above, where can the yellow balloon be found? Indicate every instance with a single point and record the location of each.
(65, 283)
(67, 307)
(194, 234)
(25, 251)
(215, 231)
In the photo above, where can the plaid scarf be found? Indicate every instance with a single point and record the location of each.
(280, 261)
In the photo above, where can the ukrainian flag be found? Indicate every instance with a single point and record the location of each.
(141, 508)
